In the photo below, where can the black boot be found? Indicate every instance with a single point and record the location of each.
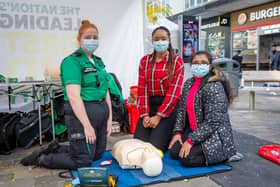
(32, 159)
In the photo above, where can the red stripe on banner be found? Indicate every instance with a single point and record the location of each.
(253, 27)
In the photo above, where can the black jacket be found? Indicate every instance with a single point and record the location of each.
(238, 58)
(213, 130)
(275, 60)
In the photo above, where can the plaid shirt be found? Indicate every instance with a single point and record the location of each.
(157, 84)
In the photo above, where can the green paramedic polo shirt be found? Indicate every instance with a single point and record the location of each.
(93, 78)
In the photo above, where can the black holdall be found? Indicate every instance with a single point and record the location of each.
(8, 123)
(119, 112)
(27, 129)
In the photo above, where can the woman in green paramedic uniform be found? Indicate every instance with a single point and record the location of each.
(87, 107)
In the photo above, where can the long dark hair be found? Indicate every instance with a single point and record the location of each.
(225, 82)
(170, 56)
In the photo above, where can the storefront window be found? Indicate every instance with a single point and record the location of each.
(246, 41)
(216, 44)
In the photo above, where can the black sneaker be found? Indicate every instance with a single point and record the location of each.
(32, 159)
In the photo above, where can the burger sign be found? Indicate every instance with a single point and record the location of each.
(242, 18)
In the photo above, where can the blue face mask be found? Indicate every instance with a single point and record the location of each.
(200, 70)
(161, 45)
(89, 45)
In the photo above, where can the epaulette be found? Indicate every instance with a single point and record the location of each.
(76, 54)
(99, 58)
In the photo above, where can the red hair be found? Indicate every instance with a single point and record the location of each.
(84, 26)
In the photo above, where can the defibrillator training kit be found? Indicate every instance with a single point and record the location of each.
(96, 176)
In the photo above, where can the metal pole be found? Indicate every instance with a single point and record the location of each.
(39, 113)
(231, 45)
(33, 96)
(52, 112)
(180, 36)
(44, 95)
(199, 32)
(9, 96)
(258, 52)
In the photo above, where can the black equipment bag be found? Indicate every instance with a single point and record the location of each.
(8, 123)
(118, 109)
(119, 112)
(27, 129)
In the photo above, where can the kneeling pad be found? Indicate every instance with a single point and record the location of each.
(270, 152)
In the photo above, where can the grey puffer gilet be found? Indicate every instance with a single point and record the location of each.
(213, 130)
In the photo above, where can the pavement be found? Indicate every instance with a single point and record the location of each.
(262, 124)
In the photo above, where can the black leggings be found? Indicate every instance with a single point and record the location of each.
(161, 135)
(194, 159)
(78, 153)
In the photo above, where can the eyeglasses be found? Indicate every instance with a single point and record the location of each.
(200, 62)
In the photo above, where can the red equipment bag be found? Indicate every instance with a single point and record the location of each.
(270, 152)
(133, 116)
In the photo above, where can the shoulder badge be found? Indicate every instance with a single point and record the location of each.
(76, 54)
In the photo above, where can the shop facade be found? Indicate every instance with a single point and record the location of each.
(254, 31)
(217, 36)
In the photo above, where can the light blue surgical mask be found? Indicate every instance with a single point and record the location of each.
(161, 45)
(89, 45)
(200, 70)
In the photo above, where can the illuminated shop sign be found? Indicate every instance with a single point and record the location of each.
(221, 21)
(210, 25)
(271, 29)
(242, 18)
(265, 13)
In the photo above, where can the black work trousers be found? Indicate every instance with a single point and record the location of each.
(79, 154)
(161, 135)
(194, 159)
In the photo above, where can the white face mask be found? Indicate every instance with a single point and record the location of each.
(89, 45)
(161, 45)
(200, 70)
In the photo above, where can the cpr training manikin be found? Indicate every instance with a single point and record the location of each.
(134, 153)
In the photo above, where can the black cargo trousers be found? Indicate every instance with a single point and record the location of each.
(79, 153)
(162, 134)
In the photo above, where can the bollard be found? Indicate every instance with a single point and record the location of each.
(252, 100)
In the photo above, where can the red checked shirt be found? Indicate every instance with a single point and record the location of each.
(158, 84)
